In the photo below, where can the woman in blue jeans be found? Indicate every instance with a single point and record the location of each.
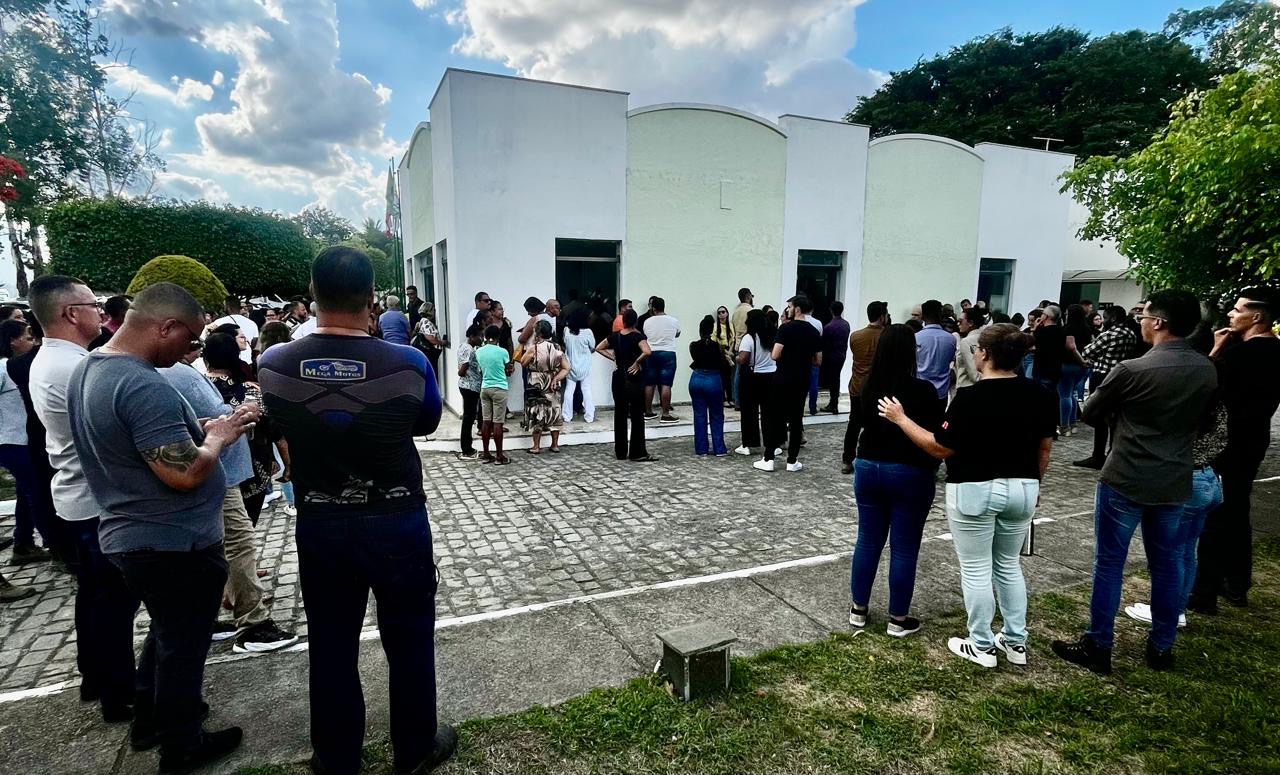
(30, 514)
(996, 440)
(893, 481)
(706, 390)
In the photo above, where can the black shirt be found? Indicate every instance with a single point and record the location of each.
(885, 442)
(1249, 378)
(1051, 350)
(706, 355)
(800, 342)
(626, 351)
(995, 428)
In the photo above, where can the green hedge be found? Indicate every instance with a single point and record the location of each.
(184, 272)
(105, 241)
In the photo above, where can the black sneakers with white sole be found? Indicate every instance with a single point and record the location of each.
(901, 628)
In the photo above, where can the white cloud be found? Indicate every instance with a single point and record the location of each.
(217, 78)
(179, 186)
(184, 92)
(767, 56)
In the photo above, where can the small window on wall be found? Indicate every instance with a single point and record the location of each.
(819, 275)
(995, 283)
(426, 261)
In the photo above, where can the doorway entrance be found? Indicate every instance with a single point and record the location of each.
(819, 275)
(587, 279)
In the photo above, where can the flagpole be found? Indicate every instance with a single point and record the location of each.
(399, 238)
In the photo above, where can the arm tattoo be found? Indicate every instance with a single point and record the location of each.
(178, 456)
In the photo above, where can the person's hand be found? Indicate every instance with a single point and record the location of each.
(1221, 337)
(633, 369)
(228, 428)
(251, 410)
(891, 410)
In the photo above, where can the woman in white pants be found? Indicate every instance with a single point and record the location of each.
(578, 346)
(996, 439)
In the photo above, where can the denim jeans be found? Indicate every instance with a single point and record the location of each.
(30, 512)
(814, 376)
(707, 394)
(1206, 495)
(989, 522)
(1115, 520)
(340, 559)
(105, 608)
(1072, 378)
(182, 592)
(893, 502)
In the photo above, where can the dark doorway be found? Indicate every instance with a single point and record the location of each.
(995, 283)
(819, 276)
(587, 280)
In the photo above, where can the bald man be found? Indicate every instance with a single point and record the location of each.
(152, 467)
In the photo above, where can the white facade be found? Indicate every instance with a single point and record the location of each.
(700, 200)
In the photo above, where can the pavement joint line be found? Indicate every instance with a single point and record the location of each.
(1268, 479)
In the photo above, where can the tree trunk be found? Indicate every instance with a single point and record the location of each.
(15, 246)
(37, 253)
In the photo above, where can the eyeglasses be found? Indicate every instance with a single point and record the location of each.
(1141, 317)
(97, 304)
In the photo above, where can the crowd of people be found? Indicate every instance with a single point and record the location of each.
(145, 437)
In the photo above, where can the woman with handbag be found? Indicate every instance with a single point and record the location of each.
(427, 338)
(547, 368)
(996, 440)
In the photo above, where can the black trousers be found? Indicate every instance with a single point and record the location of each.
(788, 419)
(830, 379)
(851, 432)
(755, 391)
(628, 408)
(182, 592)
(105, 609)
(1224, 559)
(470, 408)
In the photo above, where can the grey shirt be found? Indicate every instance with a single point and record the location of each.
(120, 407)
(1156, 404)
(206, 401)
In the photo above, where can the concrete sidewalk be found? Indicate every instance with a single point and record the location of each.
(501, 662)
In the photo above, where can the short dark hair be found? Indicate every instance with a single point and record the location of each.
(624, 302)
(837, 308)
(658, 303)
(1180, 308)
(931, 311)
(1086, 301)
(877, 310)
(706, 326)
(231, 304)
(342, 279)
(1005, 345)
(413, 288)
(231, 329)
(476, 330)
(493, 332)
(166, 300)
(801, 302)
(10, 330)
(533, 305)
(1114, 315)
(45, 295)
(629, 318)
(479, 294)
(743, 293)
(222, 352)
(974, 316)
(116, 306)
(1264, 300)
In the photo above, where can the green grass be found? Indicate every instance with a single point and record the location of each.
(869, 703)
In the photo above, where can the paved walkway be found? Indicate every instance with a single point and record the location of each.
(601, 554)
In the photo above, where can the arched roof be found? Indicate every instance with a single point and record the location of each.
(407, 159)
(712, 108)
(926, 138)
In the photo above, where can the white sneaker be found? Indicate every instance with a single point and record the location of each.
(744, 451)
(796, 466)
(763, 465)
(291, 511)
(1141, 612)
(967, 649)
(1016, 653)
(858, 618)
(273, 496)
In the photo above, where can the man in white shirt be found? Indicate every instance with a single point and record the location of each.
(247, 327)
(105, 607)
(970, 328)
(308, 324)
(661, 330)
(483, 302)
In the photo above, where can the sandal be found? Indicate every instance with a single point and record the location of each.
(533, 451)
(555, 450)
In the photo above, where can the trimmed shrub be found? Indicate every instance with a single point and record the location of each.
(105, 241)
(185, 272)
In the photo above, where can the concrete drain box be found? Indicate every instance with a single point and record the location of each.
(696, 659)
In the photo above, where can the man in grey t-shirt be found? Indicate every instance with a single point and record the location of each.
(153, 469)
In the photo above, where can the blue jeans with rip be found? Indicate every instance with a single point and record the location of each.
(893, 503)
(1116, 518)
(989, 522)
(707, 394)
(1206, 495)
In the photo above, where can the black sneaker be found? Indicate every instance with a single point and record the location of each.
(1159, 660)
(1240, 600)
(223, 631)
(262, 637)
(442, 748)
(1208, 606)
(650, 416)
(117, 714)
(901, 628)
(25, 554)
(1089, 462)
(210, 747)
(145, 734)
(1085, 654)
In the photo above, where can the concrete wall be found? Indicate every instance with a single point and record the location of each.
(705, 190)
(417, 206)
(1025, 218)
(826, 202)
(921, 233)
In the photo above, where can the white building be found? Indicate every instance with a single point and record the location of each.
(525, 188)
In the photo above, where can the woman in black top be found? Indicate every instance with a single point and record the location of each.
(893, 481)
(996, 442)
(628, 349)
(706, 390)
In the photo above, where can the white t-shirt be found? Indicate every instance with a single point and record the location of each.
(661, 331)
(815, 323)
(471, 320)
(762, 362)
(307, 326)
(247, 327)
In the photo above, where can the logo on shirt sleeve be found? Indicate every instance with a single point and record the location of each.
(332, 369)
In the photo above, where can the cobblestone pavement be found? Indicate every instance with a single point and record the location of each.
(558, 526)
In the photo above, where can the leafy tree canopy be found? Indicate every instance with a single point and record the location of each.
(324, 226)
(184, 272)
(1234, 35)
(1199, 208)
(1106, 95)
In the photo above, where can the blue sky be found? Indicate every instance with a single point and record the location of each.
(288, 103)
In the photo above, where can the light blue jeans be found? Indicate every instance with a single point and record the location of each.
(1206, 495)
(989, 522)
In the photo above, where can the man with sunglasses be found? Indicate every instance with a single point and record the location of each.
(1247, 354)
(152, 467)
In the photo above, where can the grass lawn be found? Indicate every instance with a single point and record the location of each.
(870, 703)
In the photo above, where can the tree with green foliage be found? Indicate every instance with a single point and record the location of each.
(104, 241)
(1200, 207)
(1106, 95)
(324, 227)
(1233, 35)
(184, 272)
(373, 232)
